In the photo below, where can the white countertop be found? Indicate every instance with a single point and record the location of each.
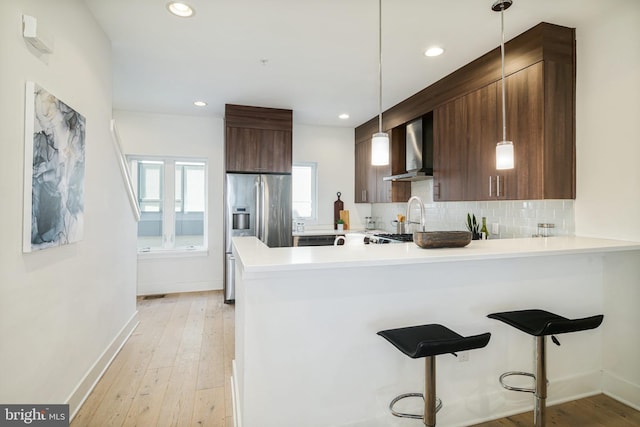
(256, 257)
(325, 232)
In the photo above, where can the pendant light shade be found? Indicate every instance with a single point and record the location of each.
(504, 149)
(380, 140)
(504, 155)
(380, 149)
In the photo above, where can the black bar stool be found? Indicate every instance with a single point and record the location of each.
(540, 323)
(428, 341)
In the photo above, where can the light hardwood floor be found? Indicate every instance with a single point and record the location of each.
(175, 370)
(594, 411)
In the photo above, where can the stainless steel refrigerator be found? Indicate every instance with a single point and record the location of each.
(255, 205)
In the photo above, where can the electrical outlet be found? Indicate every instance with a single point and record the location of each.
(495, 228)
(463, 356)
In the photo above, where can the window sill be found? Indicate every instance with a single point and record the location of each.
(173, 253)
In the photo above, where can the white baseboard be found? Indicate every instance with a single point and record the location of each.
(494, 403)
(504, 403)
(621, 390)
(237, 421)
(91, 378)
(173, 288)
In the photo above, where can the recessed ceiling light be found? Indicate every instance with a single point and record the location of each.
(182, 10)
(343, 116)
(434, 51)
(200, 103)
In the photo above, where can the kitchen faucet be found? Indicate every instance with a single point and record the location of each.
(422, 214)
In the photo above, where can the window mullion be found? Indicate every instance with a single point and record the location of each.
(169, 196)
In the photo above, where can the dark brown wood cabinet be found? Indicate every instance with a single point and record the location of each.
(468, 128)
(449, 151)
(369, 184)
(258, 139)
(465, 136)
(365, 174)
(540, 109)
(540, 122)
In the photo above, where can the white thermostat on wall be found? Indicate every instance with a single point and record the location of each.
(34, 36)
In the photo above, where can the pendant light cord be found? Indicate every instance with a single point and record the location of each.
(380, 66)
(504, 108)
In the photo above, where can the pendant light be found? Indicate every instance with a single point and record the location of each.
(380, 140)
(504, 148)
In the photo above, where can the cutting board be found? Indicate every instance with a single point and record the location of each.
(344, 216)
(338, 205)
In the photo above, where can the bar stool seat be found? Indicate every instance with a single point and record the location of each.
(540, 324)
(428, 341)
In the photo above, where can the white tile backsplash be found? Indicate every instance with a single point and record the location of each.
(515, 218)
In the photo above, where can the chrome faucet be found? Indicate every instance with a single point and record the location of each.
(422, 214)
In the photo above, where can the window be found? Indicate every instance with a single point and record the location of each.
(172, 197)
(305, 194)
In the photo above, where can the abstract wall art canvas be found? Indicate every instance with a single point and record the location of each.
(54, 171)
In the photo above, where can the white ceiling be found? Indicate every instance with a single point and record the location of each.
(322, 55)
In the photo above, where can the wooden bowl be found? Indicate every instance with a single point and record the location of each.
(441, 239)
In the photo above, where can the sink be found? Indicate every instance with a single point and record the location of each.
(441, 239)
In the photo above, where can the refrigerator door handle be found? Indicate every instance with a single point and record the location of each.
(257, 215)
(263, 211)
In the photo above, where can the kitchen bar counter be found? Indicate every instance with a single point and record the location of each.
(257, 257)
(307, 353)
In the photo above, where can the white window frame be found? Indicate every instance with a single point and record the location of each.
(314, 191)
(169, 205)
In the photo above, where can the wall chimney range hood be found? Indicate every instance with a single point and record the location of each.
(419, 151)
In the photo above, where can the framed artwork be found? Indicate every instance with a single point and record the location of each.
(124, 169)
(54, 171)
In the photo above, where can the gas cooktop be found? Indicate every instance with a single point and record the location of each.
(392, 238)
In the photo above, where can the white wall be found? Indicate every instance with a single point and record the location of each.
(607, 125)
(182, 136)
(333, 149)
(65, 310)
(195, 136)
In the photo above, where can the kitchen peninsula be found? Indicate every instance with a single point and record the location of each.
(307, 352)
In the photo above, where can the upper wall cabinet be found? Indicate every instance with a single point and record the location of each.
(541, 124)
(465, 135)
(369, 186)
(540, 110)
(257, 139)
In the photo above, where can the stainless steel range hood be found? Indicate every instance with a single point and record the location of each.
(419, 151)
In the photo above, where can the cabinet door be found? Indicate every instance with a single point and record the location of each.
(400, 192)
(449, 157)
(275, 151)
(258, 150)
(242, 148)
(369, 185)
(365, 178)
(383, 188)
(482, 181)
(525, 127)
